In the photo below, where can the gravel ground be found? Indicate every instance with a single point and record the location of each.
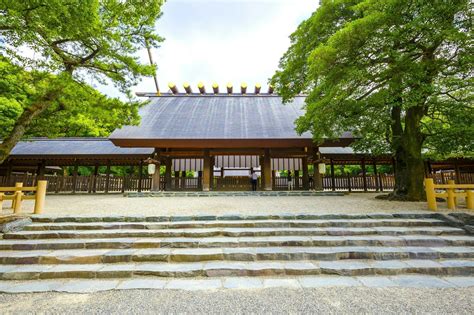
(323, 300)
(119, 205)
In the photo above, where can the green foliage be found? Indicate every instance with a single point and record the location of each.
(99, 38)
(80, 110)
(360, 59)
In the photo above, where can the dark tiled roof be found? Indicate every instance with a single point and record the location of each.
(216, 117)
(73, 146)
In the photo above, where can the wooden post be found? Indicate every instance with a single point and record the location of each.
(9, 173)
(364, 174)
(297, 179)
(333, 178)
(74, 177)
(155, 178)
(430, 194)
(206, 172)
(470, 199)
(107, 178)
(305, 173)
(377, 184)
(168, 162)
(211, 175)
(380, 182)
(94, 180)
(16, 202)
(349, 182)
(140, 176)
(458, 173)
(40, 196)
(41, 170)
(451, 196)
(267, 167)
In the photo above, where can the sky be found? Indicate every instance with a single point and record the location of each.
(222, 41)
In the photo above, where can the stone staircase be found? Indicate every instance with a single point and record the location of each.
(234, 246)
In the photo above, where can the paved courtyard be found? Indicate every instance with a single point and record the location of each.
(340, 300)
(116, 204)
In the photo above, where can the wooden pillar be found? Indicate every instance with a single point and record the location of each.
(297, 180)
(155, 178)
(206, 172)
(333, 178)
(364, 174)
(94, 182)
(168, 163)
(317, 178)
(305, 173)
(107, 177)
(74, 177)
(140, 176)
(211, 175)
(41, 170)
(349, 186)
(267, 173)
(262, 171)
(377, 184)
(9, 174)
(458, 173)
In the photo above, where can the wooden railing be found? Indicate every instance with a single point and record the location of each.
(444, 177)
(19, 193)
(450, 191)
(349, 183)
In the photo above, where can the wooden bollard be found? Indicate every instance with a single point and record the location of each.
(430, 194)
(14, 199)
(40, 196)
(470, 199)
(451, 196)
(16, 203)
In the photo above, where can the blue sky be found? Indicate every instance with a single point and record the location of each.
(223, 41)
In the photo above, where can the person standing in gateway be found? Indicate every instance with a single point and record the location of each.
(254, 179)
(290, 181)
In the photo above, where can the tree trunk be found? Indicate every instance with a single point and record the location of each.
(24, 121)
(409, 167)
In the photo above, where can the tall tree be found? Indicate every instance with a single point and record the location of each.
(77, 41)
(396, 73)
(80, 111)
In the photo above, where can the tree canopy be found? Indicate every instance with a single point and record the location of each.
(79, 111)
(398, 74)
(62, 47)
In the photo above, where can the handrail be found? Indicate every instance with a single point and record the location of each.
(18, 196)
(451, 193)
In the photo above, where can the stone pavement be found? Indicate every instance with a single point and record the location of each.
(96, 285)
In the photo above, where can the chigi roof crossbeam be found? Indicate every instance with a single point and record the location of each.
(213, 91)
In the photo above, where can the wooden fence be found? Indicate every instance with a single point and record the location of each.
(118, 184)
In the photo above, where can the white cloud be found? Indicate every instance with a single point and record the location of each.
(223, 41)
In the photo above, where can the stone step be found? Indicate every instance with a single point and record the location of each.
(92, 256)
(55, 226)
(230, 217)
(229, 268)
(211, 242)
(236, 232)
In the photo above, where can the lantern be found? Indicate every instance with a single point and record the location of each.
(322, 168)
(151, 169)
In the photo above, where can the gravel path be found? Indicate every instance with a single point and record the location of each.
(322, 300)
(119, 205)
